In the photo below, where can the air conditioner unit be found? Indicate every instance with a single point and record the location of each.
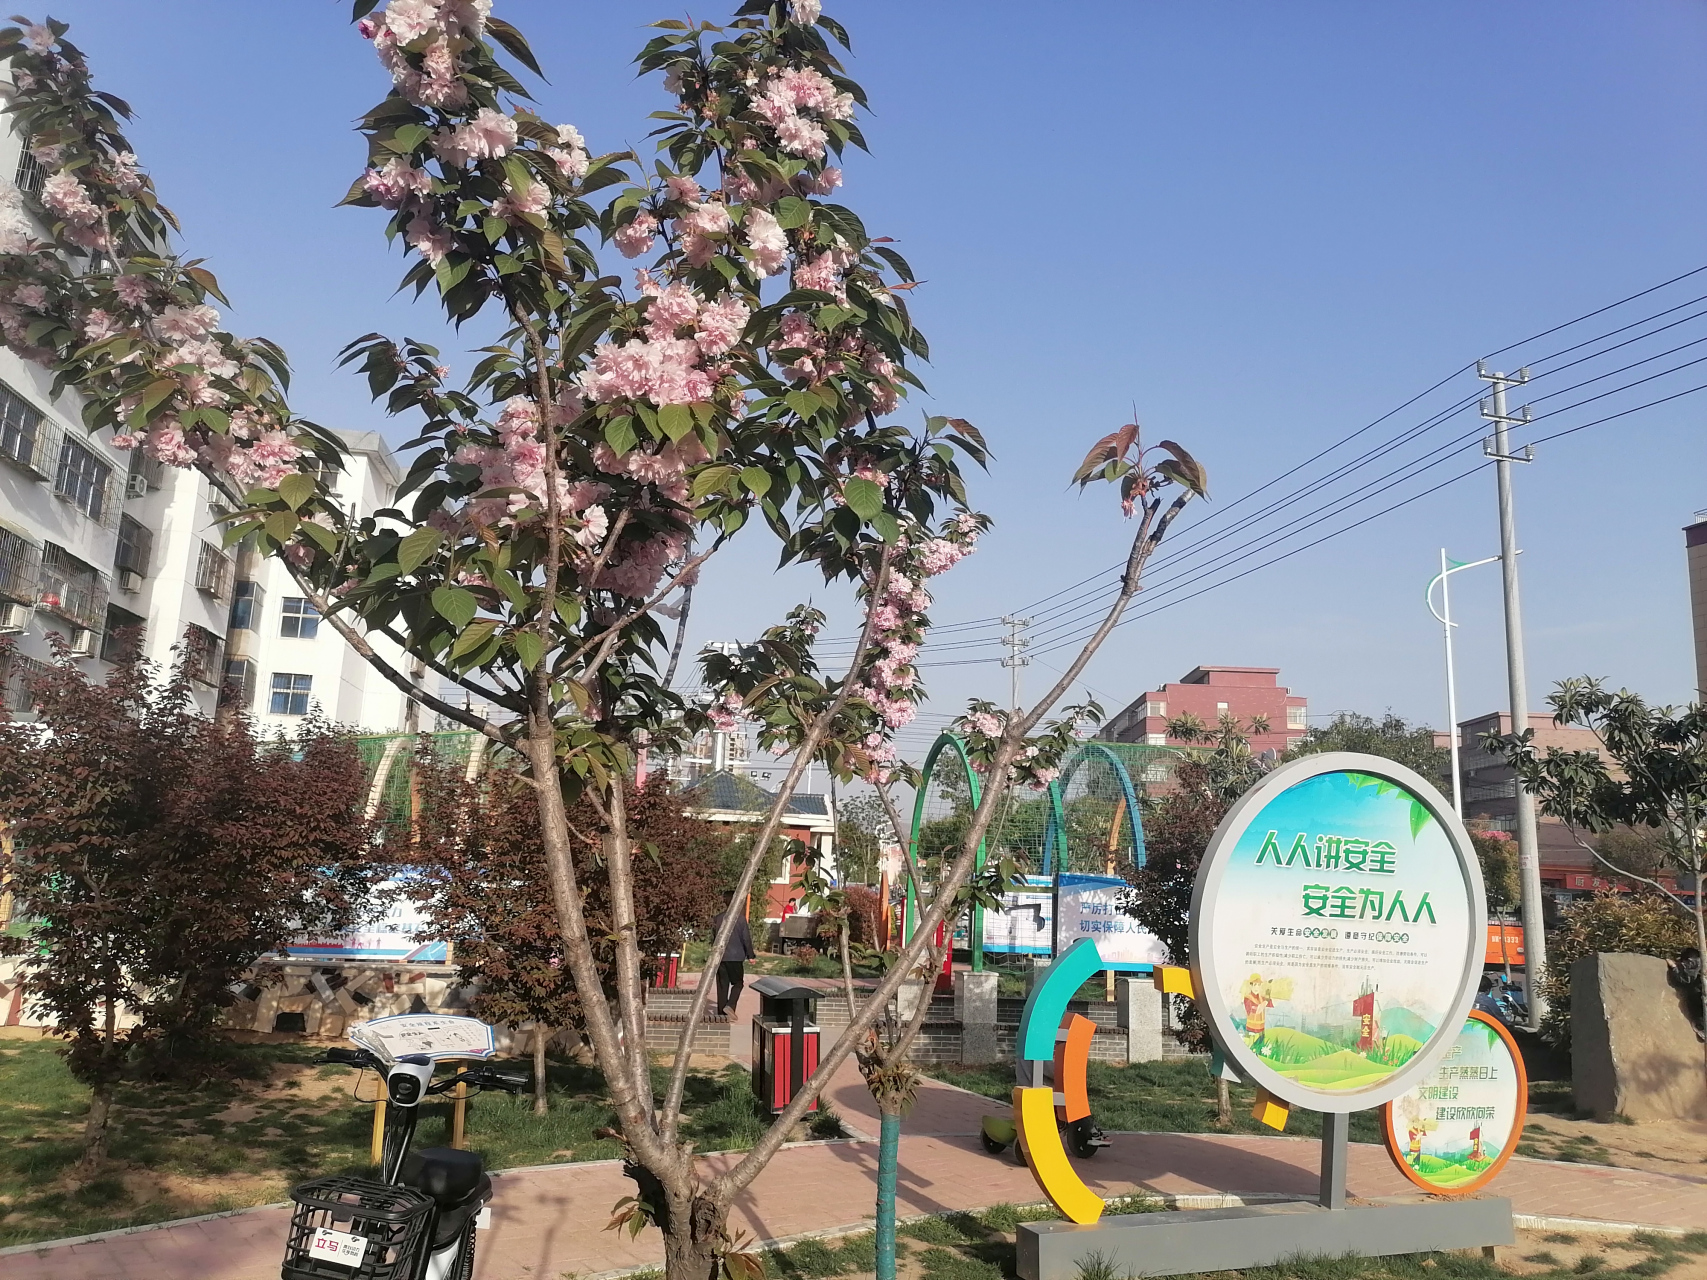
(14, 618)
(136, 486)
(82, 643)
(130, 581)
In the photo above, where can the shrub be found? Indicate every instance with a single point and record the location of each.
(1640, 923)
(865, 914)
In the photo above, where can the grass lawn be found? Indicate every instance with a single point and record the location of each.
(178, 1151)
(967, 1246)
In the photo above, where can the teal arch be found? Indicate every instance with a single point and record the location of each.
(945, 742)
(1055, 837)
(1050, 992)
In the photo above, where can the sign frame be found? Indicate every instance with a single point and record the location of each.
(1492, 1171)
(1213, 870)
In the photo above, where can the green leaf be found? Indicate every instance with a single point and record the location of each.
(478, 633)
(803, 403)
(755, 480)
(408, 137)
(280, 526)
(324, 537)
(619, 433)
(864, 498)
(569, 610)
(676, 420)
(296, 489)
(415, 550)
(455, 605)
(513, 41)
(887, 526)
(529, 648)
(711, 480)
(791, 212)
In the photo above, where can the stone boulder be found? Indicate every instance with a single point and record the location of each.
(1633, 1052)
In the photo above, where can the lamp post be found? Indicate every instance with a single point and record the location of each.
(1444, 616)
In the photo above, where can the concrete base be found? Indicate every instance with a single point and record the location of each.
(1197, 1240)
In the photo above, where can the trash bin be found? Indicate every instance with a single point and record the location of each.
(785, 1040)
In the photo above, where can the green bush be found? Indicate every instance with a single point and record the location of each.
(1640, 923)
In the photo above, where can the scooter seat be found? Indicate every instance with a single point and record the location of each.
(447, 1175)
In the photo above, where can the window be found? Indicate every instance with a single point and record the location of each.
(1155, 739)
(301, 619)
(201, 649)
(213, 571)
(20, 428)
(123, 633)
(1155, 708)
(1296, 719)
(290, 694)
(1220, 708)
(19, 564)
(16, 673)
(82, 478)
(239, 686)
(71, 588)
(246, 606)
(30, 175)
(145, 472)
(136, 543)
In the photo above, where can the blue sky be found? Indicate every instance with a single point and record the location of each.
(1262, 226)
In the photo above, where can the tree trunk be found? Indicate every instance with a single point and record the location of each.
(1223, 1103)
(96, 1130)
(693, 1236)
(541, 1033)
(888, 1159)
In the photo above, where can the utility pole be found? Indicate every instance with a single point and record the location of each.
(1498, 447)
(1016, 644)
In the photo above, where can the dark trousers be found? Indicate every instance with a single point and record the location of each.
(731, 977)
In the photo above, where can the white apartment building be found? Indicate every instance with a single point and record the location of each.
(96, 543)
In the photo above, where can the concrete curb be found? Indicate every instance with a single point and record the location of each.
(43, 1246)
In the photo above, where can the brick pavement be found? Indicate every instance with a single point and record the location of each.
(548, 1222)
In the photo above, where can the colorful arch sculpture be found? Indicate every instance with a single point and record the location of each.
(957, 749)
(1069, 1052)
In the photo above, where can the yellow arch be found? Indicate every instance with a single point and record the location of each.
(1034, 1115)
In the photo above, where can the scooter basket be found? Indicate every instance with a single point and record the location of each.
(346, 1228)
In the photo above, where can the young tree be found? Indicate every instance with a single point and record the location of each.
(480, 881)
(156, 854)
(1661, 753)
(554, 496)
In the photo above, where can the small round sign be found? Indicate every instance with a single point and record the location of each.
(1453, 1133)
(1337, 929)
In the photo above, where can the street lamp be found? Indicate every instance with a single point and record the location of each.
(1444, 616)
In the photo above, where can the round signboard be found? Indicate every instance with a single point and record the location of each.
(1454, 1131)
(1337, 931)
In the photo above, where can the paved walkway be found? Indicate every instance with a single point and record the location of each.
(548, 1222)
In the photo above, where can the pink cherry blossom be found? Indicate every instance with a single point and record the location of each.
(124, 441)
(132, 290)
(670, 310)
(409, 20)
(802, 137)
(823, 183)
(683, 188)
(805, 12)
(166, 444)
(766, 241)
(395, 182)
(637, 236)
(983, 722)
(721, 325)
(125, 174)
(33, 296)
(64, 195)
(186, 324)
(430, 241)
(595, 524)
(572, 164)
(490, 135)
(39, 37)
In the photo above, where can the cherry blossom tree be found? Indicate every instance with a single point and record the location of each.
(604, 445)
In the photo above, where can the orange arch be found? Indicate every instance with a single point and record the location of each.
(1072, 1056)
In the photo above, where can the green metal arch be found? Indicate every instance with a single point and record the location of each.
(1055, 836)
(945, 742)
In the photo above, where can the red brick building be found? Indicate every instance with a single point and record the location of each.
(1246, 693)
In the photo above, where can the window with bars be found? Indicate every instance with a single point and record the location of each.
(30, 174)
(123, 634)
(20, 563)
(246, 600)
(21, 429)
(136, 544)
(16, 674)
(82, 478)
(145, 472)
(71, 588)
(239, 686)
(214, 571)
(300, 620)
(290, 694)
(201, 649)
(1296, 718)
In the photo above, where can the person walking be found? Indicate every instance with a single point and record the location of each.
(732, 971)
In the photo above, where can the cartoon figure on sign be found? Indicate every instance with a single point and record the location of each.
(1476, 1156)
(1417, 1126)
(1259, 995)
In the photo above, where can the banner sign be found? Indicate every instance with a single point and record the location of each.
(1025, 924)
(434, 1035)
(1338, 931)
(1089, 907)
(395, 937)
(1456, 1130)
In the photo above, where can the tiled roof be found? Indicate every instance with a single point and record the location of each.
(733, 793)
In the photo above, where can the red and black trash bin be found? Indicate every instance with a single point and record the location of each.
(785, 1040)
